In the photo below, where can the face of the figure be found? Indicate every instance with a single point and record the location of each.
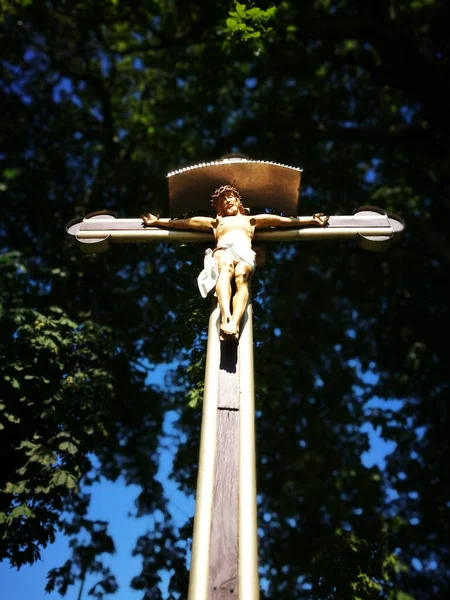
(228, 204)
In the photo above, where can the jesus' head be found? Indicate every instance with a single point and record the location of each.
(227, 201)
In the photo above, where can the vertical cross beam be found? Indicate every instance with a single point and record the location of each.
(248, 541)
(224, 560)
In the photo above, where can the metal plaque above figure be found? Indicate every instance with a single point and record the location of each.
(263, 184)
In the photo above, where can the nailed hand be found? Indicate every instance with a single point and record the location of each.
(320, 219)
(149, 219)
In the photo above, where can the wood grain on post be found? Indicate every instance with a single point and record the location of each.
(224, 558)
(224, 551)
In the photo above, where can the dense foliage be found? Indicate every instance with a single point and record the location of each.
(99, 100)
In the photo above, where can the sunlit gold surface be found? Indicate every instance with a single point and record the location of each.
(248, 533)
(199, 572)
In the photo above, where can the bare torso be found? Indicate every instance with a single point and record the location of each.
(236, 229)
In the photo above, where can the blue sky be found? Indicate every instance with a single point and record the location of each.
(112, 502)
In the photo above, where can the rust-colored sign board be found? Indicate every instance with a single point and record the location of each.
(261, 184)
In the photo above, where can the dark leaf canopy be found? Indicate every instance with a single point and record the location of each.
(99, 100)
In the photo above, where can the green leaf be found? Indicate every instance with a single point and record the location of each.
(13, 381)
(72, 482)
(59, 478)
(56, 309)
(232, 24)
(194, 398)
(21, 511)
(400, 595)
(240, 9)
(69, 447)
(16, 488)
(11, 173)
(12, 418)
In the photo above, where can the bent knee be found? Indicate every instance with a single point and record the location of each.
(242, 273)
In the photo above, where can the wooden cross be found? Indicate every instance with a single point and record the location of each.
(224, 560)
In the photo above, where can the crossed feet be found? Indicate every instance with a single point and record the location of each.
(228, 330)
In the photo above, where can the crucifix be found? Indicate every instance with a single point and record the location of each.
(224, 561)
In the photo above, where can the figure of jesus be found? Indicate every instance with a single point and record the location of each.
(233, 231)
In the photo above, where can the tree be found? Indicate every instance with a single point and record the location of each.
(102, 99)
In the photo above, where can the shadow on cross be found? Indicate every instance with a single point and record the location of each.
(228, 357)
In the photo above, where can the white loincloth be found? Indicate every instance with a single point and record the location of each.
(240, 253)
(208, 277)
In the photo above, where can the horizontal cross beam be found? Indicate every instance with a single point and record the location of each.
(371, 227)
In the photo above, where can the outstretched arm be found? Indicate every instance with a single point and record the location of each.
(197, 223)
(265, 221)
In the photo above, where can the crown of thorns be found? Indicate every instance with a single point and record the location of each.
(219, 192)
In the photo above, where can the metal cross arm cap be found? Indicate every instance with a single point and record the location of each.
(371, 227)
